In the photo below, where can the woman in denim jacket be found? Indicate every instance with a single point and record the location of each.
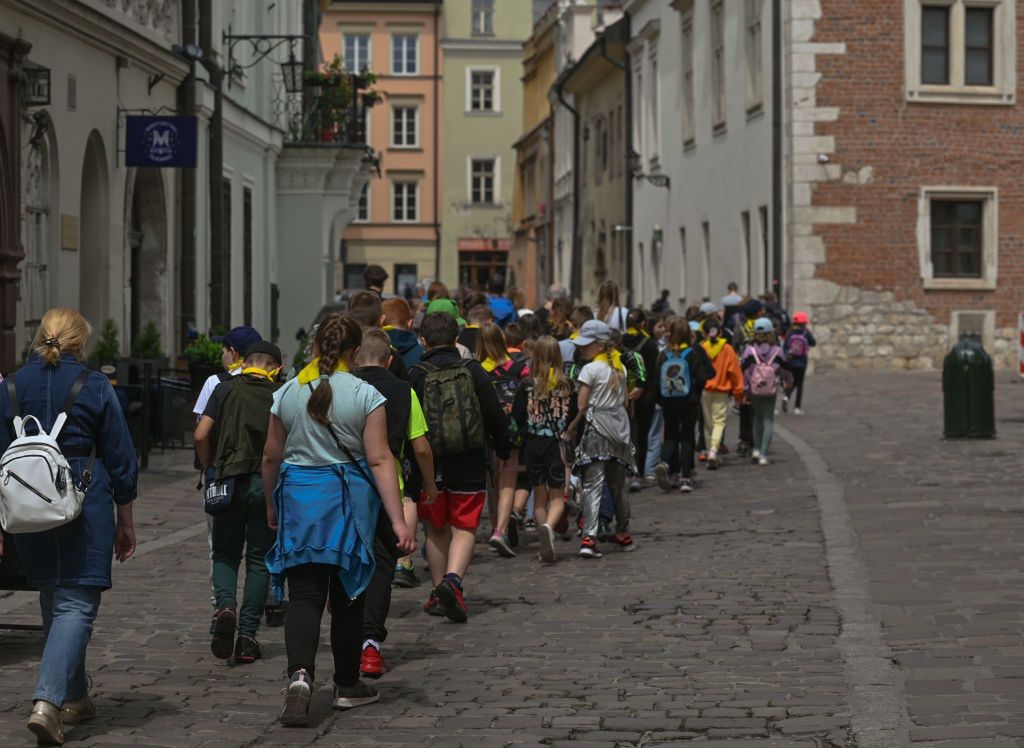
(70, 564)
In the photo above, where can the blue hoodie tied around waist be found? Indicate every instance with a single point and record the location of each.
(325, 515)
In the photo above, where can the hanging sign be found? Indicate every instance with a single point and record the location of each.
(160, 141)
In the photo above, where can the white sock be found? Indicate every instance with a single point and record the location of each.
(371, 643)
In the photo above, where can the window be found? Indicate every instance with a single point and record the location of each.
(363, 206)
(961, 51)
(406, 194)
(483, 17)
(654, 113)
(718, 62)
(403, 126)
(357, 53)
(247, 279)
(706, 236)
(482, 91)
(689, 122)
(353, 274)
(958, 237)
(755, 59)
(748, 249)
(404, 54)
(405, 280)
(481, 188)
(620, 155)
(639, 109)
(935, 45)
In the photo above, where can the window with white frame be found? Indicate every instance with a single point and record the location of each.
(654, 113)
(689, 120)
(482, 91)
(357, 53)
(482, 181)
(405, 199)
(961, 51)
(958, 237)
(755, 55)
(404, 120)
(640, 109)
(718, 63)
(405, 54)
(483, 17)
(363, 206)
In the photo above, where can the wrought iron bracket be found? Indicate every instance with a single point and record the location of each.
(261, 45)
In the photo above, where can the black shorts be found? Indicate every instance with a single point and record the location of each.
(542, 457)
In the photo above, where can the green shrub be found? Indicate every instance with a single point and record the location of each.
(108, 348)
(147, 343)
(202, 350)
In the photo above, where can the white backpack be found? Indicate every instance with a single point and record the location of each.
(37, 490)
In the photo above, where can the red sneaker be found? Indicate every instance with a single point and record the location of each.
(625, 540)
(433, 606)
(452, 601)
(372, 663)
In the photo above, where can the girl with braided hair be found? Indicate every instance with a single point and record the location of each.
(327, 433)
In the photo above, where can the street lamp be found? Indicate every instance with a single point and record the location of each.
(292, 73)
(37, 85)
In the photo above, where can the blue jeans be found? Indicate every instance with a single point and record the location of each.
(654, 441)
(68, 615)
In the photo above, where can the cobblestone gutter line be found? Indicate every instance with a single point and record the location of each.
(875, 692)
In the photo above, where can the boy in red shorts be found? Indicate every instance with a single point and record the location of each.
(464, 416)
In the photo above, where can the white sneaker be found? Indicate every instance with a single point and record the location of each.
(785, 404)
(755, 456)
(762, 461)
(798, 412)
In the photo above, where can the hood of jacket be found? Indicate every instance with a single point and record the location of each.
(403, 340)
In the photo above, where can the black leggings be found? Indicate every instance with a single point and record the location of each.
(680, 428)
(378, 594)
(309, 586)
(746, 425)
(641, 423)
(798, 384)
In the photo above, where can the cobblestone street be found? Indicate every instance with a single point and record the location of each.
(865, 589)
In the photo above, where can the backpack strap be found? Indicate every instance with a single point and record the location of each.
(12, 396)
(69, 403)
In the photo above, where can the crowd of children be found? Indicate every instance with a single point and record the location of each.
(547, 419)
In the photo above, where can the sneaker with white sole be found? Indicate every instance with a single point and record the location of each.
(713, 460)
(785, 405)
(686, 485)
(296, 700)
(546, 537)
(798, 412)
(755, 456)
(763, 461)
(661, 476)
(588, 548)
(350, 697)
(501, 545)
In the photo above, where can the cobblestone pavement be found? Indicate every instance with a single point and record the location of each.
(723, 625)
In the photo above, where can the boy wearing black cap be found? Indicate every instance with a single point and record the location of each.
(231, 435)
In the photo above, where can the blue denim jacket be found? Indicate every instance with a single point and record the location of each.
(80, 552)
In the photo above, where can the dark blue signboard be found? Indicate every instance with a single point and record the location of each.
(160, 141)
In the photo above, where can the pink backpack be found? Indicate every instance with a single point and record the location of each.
(764, 380)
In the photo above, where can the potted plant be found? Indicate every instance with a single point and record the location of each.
(108, 348)
(204, 360)
(336, 93)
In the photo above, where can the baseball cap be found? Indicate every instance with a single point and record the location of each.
(266, 348)
(240, 338)
(592, 331)
(764, 325)
(752, 307)
(800, 318)
(694, 325)
(708, 307)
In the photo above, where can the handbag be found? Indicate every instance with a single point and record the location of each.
(218, 494)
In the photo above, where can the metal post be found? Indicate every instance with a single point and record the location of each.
(187, 266)
(220, 257)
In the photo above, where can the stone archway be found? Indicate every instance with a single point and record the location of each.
(94, 237)
(147, 252)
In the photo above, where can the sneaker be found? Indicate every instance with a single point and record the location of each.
(763, 461)
(433, 606)
(371, 664)
(82, 710)
(634, 485)
(785, 404)
(530, 524)
(712, 460)
(686, 485)
(702, 456)
(501, 545)
(452, 601)
(798, 412)
(247, 650)
(45, 724)
(624, 540)
(296, 700)
(661, 475)
(588, 548)
(223, 642)
(546, 537)
(755, 456)
(650, 480)
(405, 578)
(350, 697)
(275, 615)
(512, 531)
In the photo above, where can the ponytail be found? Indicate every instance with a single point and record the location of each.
(336, 335)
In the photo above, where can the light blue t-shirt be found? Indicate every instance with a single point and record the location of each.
(309, 442)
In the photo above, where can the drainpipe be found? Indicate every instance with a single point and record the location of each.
(437, 142)
(777, 176)
(220, 256)
(624, 67)
(576, 276)
(187, 268)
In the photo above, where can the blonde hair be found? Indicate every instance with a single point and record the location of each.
(62, 331)
(545, 361)
(607, 299)
(490, 344)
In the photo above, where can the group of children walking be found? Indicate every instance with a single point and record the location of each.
(549, 418)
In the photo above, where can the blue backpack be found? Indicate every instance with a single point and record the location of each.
(675, 374)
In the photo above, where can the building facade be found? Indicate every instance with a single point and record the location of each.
(397, 220)
(482, 115)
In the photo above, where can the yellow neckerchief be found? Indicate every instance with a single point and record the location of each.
(312, 371)
(388, 328)
(748, 326)
(714, 347)
(490, 364)
(680, 348)
(271, 375)
(237, 366)
(471, 327)
(612, 358)
(635, 331)
(574, 334)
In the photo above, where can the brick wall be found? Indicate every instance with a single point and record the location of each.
(869, 298)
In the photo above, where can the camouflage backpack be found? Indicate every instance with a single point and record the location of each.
(452, 409)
